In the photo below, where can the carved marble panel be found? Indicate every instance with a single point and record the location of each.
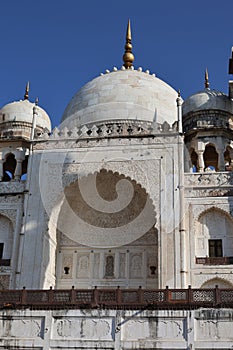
(4, 281)
(136, 265)
(209, 179)
(122, 265)
(82, 328)
(67, 266)
(214, 329)
(12, 187)
(96, 265)
(24, 327)
(154, 328)
(83, 266)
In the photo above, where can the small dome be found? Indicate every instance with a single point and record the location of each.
(22, 111)
(122, 96)
(207, 99)
(16, 120)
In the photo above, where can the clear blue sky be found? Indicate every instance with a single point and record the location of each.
(60, 45)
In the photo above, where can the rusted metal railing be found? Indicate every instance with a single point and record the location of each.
(117, 298)
(222, 260)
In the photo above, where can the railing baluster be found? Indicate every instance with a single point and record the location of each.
(24, 296)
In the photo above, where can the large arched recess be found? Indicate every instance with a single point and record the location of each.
(105, 233)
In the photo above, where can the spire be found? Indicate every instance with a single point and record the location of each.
(26, 95)
(231, 62)
(128, 57)
(207, 84)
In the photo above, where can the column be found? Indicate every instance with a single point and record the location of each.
(221, 160)
(18, 169)
(1, 168)
(201, 164)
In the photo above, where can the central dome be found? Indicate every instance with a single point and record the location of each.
(124, 95)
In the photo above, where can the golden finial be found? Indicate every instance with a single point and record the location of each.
(207, 84)
(128, 57)
(26, 95)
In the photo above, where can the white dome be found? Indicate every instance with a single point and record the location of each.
(22, 111)
(207, 99)
(121, 96)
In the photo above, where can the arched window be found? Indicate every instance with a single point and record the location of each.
(227, 159)
(9, 167)
(214, 238)
(211, 158)
(24, 168)
(6, 240)
(194, 160)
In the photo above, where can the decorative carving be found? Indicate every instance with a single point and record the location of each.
(209, 193)
(136, 266)
(224, 179)
(96, 265)
(197, 210)
(83, 266)
(206, 119)
(12, 187)
(201, 279)
(4, 281)
(9, 213)
(117, 128)
(109, 266)
(26, 328)
(64, 328)
(67, 264)
(122, 258)
(84, 328)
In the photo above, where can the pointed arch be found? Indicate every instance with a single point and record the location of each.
(211, 157)
(217, 281)
(9, 167)
(6, 238)
(214, 235)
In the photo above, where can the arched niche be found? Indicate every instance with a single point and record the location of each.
(6, 238)
(106, 234)
(214, 234)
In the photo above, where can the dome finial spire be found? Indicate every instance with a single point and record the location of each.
(26, 95)
(128, 57)
(207, 84)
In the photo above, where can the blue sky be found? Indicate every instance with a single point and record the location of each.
(60, 45)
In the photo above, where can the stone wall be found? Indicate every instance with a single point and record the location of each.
(116, 329)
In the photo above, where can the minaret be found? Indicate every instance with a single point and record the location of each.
(128, 57)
